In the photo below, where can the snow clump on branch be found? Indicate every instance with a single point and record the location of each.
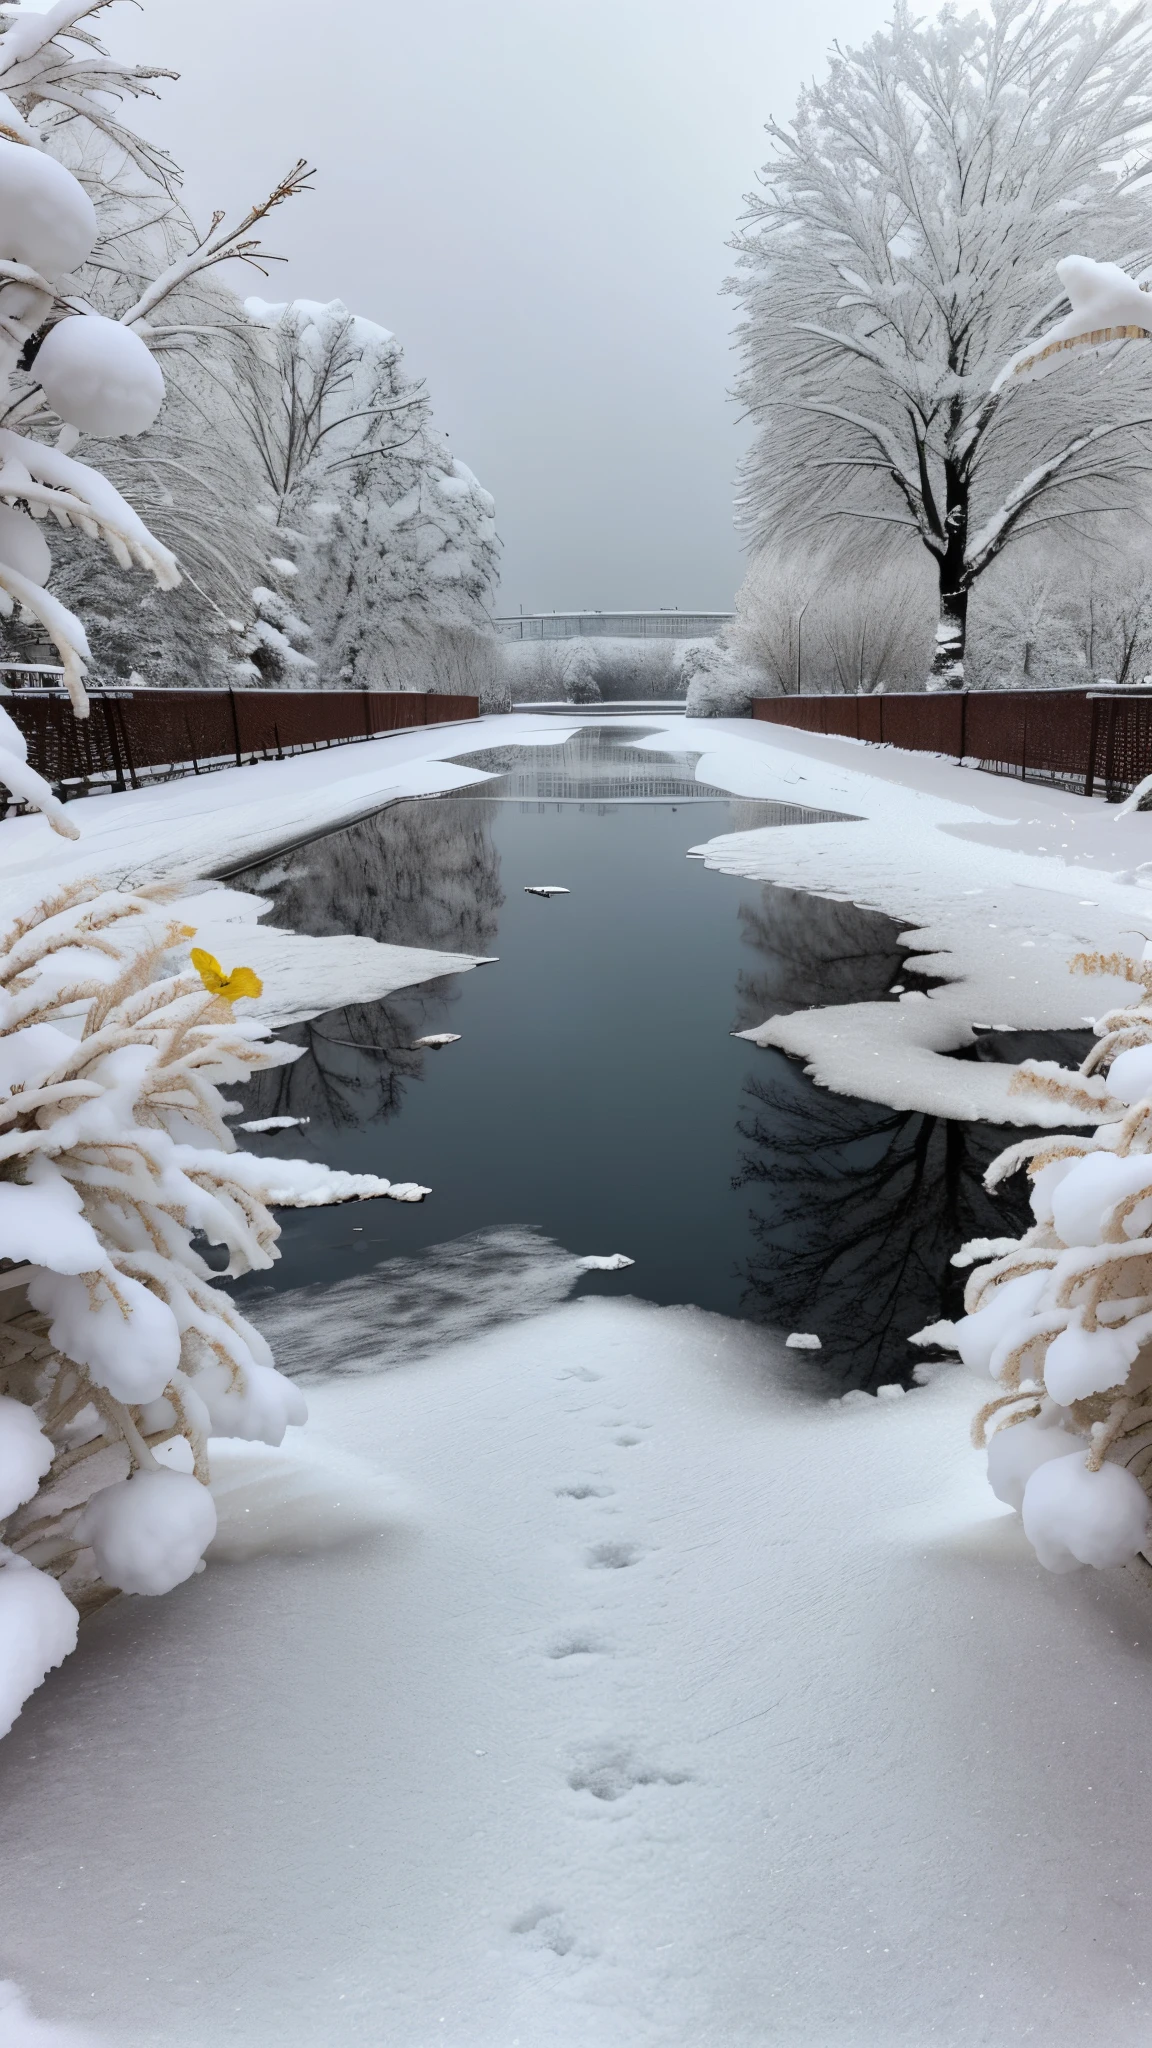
(97, 376)
(118, 1357)
(1061, 1319)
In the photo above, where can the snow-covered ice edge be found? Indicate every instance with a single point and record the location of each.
(996, 884)
(206, 825)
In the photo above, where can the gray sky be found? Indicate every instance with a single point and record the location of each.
(535, 196)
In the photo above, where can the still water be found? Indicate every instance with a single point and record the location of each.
(596, 1100)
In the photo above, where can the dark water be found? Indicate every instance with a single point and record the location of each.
(597, 1101)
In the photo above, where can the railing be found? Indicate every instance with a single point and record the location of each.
(670, 625)
(1084, 740)
(137, 736)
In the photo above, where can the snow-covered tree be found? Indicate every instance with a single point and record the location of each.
(65, 367)
(118, 1356)
(393, 539)
(898, 251)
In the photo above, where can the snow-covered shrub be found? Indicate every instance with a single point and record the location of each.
(720, 684)
(119, 1358)
(1061, 1320)
(552, 671)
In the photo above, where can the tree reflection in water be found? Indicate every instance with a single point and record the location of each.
(420, 873)
(861, 1207)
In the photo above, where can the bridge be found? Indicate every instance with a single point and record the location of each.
(667, 624)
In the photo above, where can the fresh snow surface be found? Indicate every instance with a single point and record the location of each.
(671, 1704)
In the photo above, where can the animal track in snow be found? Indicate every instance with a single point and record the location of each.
(576, 1643)
(611, 1774)
(626, 1442)
(578, 1372)
(544, 1927)
(613, 1557)
(584, 1489)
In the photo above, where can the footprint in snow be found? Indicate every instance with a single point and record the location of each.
(579, 1642)
(610, 1774)
(613, 1557)
(584, 1489)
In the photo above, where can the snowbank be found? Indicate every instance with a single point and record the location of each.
(995, 884)
(673, 1710)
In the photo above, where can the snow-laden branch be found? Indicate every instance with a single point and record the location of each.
(989, 541)
(221, 245)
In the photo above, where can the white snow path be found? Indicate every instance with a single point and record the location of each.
(679, 1709)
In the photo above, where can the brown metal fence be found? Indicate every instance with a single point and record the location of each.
(1081, 739)
(137, 736)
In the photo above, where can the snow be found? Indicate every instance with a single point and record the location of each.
(1073, 1517)
(149, 1533)
(1106, 306)
(19, 2027)
(46, 218)
(667, 1705)
(38, 1626)
(23, 546)
(129, 1341)
(25, 1454)
(1015, 1454)
(100, 376)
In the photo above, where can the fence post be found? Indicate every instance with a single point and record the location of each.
(114, 712)
(1093, 736)
(110, 729)
(1110, 751)
(963, 725)
(235, 727)
(367, 714)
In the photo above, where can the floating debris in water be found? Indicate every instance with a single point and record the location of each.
(599, 1262)
(545, 889)
(435, 1040)
(802, 1340)
(273, 1123)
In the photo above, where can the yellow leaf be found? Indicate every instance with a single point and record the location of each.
(241, 982)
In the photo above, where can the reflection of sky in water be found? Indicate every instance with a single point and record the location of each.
(596, 1095)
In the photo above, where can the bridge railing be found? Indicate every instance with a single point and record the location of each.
(658, 625)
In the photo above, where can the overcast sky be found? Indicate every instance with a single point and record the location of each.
(535, 196)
